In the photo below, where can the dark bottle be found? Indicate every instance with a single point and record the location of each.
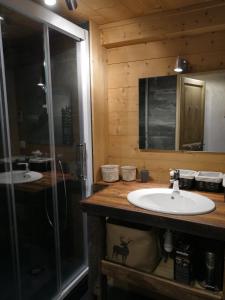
(144, 175)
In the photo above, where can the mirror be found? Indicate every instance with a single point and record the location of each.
(183, 112)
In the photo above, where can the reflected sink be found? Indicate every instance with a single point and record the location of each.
(170, 202)
(19, 177)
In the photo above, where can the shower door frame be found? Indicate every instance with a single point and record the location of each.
(51, 20)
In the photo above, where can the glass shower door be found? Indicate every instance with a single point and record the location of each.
(31, 160)
(68, 137)
(42, 156)
(8, 249)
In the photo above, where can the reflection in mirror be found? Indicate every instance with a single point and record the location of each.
(185, 112)
(157, 106)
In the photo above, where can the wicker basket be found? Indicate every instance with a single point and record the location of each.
(209, 181)
(110, 173)
(187, 179)
(186, 184)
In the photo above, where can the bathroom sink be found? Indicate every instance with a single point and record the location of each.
(40, 159)
(167, 201)
(19, 177)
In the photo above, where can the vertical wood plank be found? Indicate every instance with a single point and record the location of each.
(99, 100)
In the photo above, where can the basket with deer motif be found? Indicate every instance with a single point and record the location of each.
(134, 247)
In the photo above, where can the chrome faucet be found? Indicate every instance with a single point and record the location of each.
(27, 170)
(176, 177)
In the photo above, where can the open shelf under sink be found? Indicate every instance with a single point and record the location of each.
(157, 284)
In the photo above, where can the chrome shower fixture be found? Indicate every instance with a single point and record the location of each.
(71, 4)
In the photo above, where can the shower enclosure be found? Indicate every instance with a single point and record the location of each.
(45, 152)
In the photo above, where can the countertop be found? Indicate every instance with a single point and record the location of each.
(42, 184)
(112, 202)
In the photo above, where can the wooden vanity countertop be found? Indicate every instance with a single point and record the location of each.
(42, 184)
(112, 202)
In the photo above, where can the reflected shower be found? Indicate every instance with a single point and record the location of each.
(71, 4)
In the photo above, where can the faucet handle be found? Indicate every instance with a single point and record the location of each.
(176, 174)
(26, 166)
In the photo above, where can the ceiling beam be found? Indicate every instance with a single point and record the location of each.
(178, 23)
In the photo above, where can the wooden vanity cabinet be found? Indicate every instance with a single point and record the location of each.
(112, 202)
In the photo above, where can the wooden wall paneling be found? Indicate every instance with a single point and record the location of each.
(99, 100)
(123, 123)
(178, 4)
(123, 98)
(115, 137)
(127, 74)
(105, 11)
(123, 146)
(159, 27)
(201, 44)
(124, 150)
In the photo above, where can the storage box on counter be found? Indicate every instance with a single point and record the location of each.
(128, 173)
(110, 173)
(137, 246)
(209, 181)
(187, 179)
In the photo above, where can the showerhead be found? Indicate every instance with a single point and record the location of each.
(71, 4)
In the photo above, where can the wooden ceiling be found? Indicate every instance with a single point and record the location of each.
(107, 11)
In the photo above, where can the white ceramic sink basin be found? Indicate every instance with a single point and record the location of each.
(19, 177)
(166, 201)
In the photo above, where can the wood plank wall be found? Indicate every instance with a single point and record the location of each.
(193, 20)
(129, 63)
(99, 100)
(126, 63)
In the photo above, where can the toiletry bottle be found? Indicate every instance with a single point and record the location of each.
(144, 175)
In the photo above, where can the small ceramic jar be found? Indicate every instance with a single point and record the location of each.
(128, 173)
(110, 173)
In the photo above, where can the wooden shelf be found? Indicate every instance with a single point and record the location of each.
(157, 284)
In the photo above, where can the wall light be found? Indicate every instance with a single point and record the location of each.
(50, 2)
(181, 65)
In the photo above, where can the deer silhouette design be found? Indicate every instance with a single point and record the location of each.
(122, 250)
